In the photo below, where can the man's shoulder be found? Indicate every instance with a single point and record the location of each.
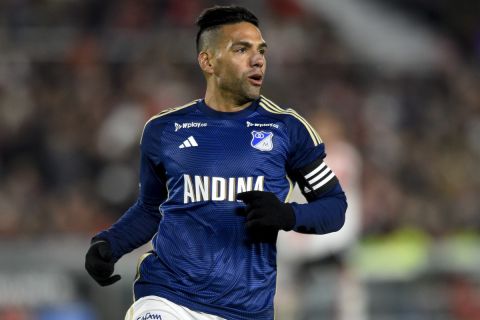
(167, 114)
(157, 123)
(295, 123)
(274, 110)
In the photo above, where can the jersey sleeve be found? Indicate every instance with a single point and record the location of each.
(140, 222)
(152, 176)
(327, 204)
(306, 164)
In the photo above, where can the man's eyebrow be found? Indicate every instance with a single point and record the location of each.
(249, 44)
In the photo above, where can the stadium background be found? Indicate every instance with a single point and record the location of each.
(391, 86)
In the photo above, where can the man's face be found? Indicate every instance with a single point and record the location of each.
(239, 61)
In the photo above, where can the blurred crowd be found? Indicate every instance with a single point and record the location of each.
(78, 80)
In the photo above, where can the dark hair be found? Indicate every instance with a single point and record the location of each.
(216, 16)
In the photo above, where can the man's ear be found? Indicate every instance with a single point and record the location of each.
(205, 61)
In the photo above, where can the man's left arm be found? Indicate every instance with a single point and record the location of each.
(322, 215)
(327, 203)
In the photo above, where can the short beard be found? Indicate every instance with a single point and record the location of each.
(247, 97)
(242, 96)
(250, 93)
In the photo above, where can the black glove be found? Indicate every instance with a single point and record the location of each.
(266, 215)
(99, 263)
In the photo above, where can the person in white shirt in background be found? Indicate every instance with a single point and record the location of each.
(299, 254)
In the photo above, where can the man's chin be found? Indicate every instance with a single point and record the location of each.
(254, 94)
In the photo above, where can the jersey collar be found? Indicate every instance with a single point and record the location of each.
(228, 115)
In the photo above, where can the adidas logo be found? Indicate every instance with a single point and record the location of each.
(190, 142)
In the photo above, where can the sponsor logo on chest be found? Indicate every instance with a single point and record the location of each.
(188, 125)
(262, 125)
(205, 188)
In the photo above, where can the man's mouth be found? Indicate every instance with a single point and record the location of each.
(256, 79)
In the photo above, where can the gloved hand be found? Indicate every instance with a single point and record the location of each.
(266, 215)
(99, 263)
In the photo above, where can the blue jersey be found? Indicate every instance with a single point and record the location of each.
(194, 162)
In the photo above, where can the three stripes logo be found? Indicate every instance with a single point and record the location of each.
(318, 177)
(190, 142)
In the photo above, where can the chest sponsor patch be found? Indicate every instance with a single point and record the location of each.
(261, 125)
(188, 125)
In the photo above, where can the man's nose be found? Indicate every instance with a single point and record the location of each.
(258, 60)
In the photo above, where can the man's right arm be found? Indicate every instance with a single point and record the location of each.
(136, 226)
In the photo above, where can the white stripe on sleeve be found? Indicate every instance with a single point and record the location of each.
(324, 181)
(320, 167)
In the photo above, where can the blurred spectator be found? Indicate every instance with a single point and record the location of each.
(303, 257)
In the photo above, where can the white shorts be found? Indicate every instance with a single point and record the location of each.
(156, 308)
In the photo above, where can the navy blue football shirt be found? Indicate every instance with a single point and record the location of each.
(194, 161)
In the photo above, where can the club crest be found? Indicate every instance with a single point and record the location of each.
(262, 140)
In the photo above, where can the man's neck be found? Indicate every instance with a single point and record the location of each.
(224, 102)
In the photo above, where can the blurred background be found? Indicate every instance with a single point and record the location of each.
(392, 86)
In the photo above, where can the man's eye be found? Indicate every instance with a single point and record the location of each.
(262, 51)
(241, 50)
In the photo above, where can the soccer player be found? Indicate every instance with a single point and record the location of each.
(215, 178)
